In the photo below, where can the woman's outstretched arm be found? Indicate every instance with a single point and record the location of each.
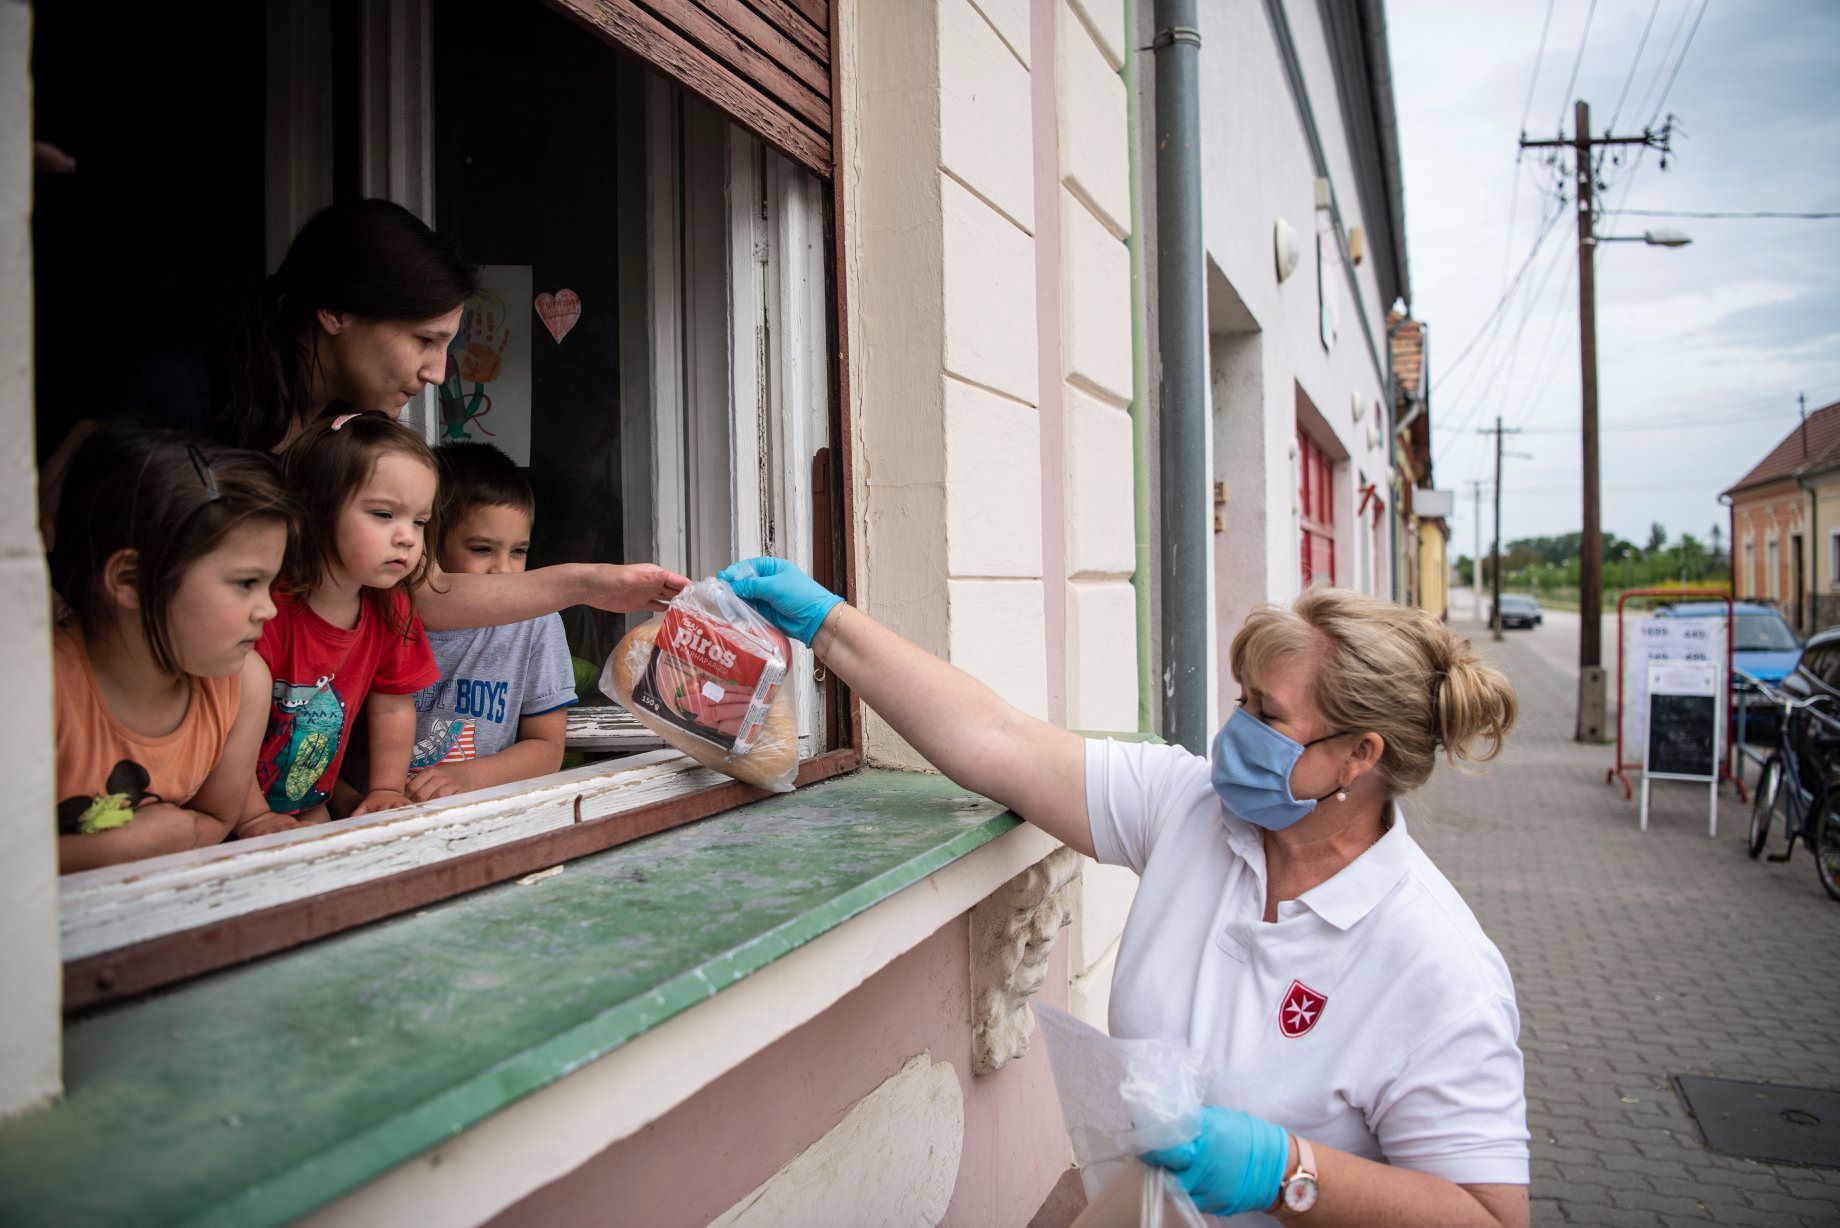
(459, 600)
(962, 727)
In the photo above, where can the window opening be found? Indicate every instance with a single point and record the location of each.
(1316, 501)
(683, 414)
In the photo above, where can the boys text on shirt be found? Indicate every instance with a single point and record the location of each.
(323, 674)
(1373, 1016)
(98, 756)
(491, 677)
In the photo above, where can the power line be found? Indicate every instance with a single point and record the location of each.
(1539, 57)
(1578, 60)
(1629, 177)
(1546, 229)
(1531, 402)
(1684, 48)
(1666, 52)
(1634, 64)
(1617, 111)
(1511, 355)
(1756, 409)
(1732, 216)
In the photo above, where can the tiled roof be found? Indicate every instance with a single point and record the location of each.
(1408, 354)
(1795, 454)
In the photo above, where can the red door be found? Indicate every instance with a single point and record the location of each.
(1316, 498)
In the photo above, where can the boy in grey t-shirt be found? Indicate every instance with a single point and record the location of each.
(500, 711)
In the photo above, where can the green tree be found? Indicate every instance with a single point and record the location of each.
(1657, 540)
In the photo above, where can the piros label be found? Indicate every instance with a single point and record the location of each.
(711, 680)
(694, 640)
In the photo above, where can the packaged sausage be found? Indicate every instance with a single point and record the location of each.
(708, 677)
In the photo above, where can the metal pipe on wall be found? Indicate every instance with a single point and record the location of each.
(1182, 362)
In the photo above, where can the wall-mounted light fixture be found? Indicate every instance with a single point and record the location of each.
(1284, 248)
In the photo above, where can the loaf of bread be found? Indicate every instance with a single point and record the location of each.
(771, 761)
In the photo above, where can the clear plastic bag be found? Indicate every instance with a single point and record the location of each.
(1121, 1098)
(707, 676)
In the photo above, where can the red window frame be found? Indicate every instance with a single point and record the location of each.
(1316, 511)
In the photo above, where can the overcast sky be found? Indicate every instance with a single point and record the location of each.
(1725, 331)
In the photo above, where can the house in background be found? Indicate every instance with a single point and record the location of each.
(1785, 524)
(1424, 539)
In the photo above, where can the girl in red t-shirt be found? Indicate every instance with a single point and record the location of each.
(165, 552)
(345, 636)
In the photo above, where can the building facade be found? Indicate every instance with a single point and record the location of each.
(1785, 525)
(877, 280)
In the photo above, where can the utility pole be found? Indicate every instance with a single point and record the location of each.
(1591, 691)
(1475, 569)
(1495, 553)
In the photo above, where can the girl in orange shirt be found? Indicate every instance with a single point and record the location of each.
(165, 553)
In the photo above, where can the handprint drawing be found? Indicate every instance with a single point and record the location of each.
(485, 332)
(485, 342)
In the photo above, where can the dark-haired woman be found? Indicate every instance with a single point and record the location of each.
(359, 315)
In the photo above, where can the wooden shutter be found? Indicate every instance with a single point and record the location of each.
(766, 63)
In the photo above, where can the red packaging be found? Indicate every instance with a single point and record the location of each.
(700, 668)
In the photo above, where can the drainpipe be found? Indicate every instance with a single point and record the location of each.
(1140, 395)
(1812, 574)
(1182, 360)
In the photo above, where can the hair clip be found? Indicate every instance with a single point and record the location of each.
(202, 468)
(341, 420)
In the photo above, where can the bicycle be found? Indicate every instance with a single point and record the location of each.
(1808, 803)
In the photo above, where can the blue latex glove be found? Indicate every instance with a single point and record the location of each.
(786, 596)
(1235, 1165)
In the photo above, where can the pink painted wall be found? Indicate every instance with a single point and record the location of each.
(701, 1158)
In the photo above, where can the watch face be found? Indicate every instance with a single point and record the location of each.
(1300, 1193)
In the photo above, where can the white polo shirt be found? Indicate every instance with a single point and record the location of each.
(1374, 1016)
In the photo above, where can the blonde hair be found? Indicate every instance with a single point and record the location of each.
(1385, 669)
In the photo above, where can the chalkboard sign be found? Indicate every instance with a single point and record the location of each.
(1683, 736)
(1683, 720)
(1684, 728)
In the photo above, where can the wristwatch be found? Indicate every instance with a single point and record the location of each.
(1299, 1192)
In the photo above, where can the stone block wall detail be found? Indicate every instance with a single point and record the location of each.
(1012, 934)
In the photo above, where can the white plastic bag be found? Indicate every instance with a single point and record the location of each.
(706, 676)
(1121, 1098)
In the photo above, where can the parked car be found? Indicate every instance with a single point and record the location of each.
(1817, 671)
(1763, 646)
(1519, 610)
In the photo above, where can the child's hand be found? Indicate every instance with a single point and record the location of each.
(625, 588)
(381, 799)
(440, 780)
(265, 824)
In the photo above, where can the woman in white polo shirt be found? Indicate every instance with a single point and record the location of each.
(1362, 1027)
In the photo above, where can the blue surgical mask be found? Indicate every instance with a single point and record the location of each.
(1252, 772)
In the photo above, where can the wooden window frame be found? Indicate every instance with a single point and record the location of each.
(136, 927)
(1315, 505)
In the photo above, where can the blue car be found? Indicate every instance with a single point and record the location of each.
(1763, 646)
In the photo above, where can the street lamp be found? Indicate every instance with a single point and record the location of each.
(1654, 238)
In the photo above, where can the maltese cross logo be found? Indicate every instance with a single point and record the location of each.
(1302, 1007)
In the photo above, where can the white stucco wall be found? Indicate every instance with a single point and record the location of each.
(1256, 169)
(30, 980)
(1093, 152)
(941, 179)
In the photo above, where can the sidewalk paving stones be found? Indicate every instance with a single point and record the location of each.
(1636, 956)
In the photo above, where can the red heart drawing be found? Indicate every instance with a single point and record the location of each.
(559, 312)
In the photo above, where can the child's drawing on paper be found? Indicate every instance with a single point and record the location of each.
(487, 389)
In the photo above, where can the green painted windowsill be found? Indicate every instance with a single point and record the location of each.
(259, 1094)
